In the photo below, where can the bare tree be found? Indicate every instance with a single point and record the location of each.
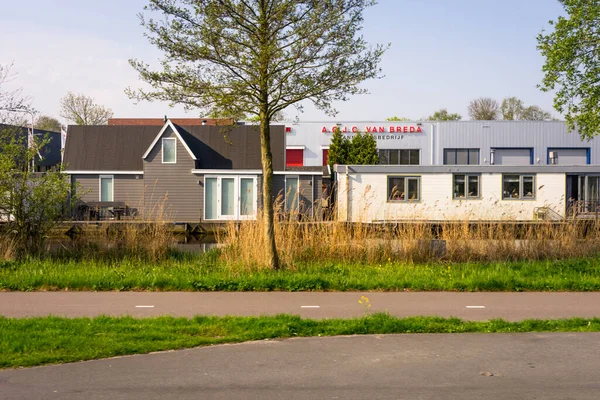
(535, 113)
(512, 109)
(82, 110)
(12, 102)
(483, 108)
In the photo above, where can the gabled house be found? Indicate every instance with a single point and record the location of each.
(196, 173)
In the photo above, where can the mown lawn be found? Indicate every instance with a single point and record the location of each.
(206, 272)
(37, 341)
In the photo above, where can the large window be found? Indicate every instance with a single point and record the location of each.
(404, 188)
(106, 188)
(461, 156)
(229, 197)
(399, 156)
(518, 187)
(292, 196)
(169, 150)
(466, 187)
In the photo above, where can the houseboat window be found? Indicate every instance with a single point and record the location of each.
(169, 150)
(247, 196)
(461, 156)
(399, 156)
(292, 198)
(404, 188)
(106, 188)
(227, 196)
(466, 186)
(518, 187)
(211, 194)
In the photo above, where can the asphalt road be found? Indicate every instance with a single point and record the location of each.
(444, 366)
(471, 306)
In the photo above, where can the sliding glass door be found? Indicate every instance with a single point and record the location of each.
(230, 197)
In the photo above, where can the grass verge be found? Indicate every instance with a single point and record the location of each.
(36, 341)
(208, 273)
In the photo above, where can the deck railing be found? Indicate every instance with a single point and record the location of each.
(583, 208)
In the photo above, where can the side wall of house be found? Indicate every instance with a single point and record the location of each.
(172, 191)
(127, 188)
(364, 199)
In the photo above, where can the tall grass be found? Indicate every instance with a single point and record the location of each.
(415, 242)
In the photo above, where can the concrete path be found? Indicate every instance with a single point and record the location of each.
(471, 306)
(455, 366)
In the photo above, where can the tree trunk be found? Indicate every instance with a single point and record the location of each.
(267, 189)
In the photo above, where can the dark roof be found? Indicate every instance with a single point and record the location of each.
(121, 147)
(232, 147)
(51, 151)
(107, 148)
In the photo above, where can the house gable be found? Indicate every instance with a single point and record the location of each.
(169, 127)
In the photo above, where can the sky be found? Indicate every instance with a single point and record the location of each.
(443, 54)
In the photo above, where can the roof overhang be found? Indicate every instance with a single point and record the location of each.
(103, 172)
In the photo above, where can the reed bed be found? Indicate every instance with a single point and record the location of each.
(410, 242)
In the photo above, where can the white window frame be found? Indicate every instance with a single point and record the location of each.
(297, 177)
(163, 150)
(237, 215)
(112, 180)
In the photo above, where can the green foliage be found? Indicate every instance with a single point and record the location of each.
(47, 123)
(30, 203)
(443, 115)
(49, 340)
(360, 150)
(514, 109)
(398, 119)
(572, 67)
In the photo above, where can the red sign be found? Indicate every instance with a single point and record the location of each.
(376, 129)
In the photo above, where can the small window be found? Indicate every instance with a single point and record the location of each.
(399, 156)
(518, 187)
(466, 187)
(292, 196)
(169, 151)
(106, 188)
(404, 188)
(294, 157)
(461, 156)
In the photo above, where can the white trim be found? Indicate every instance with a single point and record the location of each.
(112, 180)
(236, 216)
(299, 147)
(250, 172)
(298, 173)
(103, 172)
(296, 195)
(162, 150)
(164, 128)
(227, 171)
(325, 147)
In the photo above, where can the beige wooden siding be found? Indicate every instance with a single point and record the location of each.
(171, 189)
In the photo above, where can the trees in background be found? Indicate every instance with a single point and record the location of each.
(361, 149)
(443, 115)
(82, 110)
(47, 123)
(258, 57)
(513, 109)
(483, 108)
(398, 119)
(572, 67)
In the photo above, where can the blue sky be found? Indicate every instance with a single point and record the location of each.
(443, 54)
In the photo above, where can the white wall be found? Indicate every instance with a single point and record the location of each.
(367, 199)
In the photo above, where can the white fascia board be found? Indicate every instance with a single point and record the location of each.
(295, 147)
(103, 172)
(250, 172)
(164, 128)
(227, 171)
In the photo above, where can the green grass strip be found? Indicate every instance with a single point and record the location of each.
(207, 273)
(37, 341)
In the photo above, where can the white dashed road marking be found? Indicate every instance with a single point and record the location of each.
(144, 306)
(475, 306)
(310, 307)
